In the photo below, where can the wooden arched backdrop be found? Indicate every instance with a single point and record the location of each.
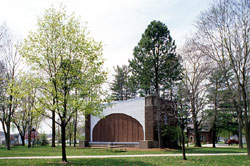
(118, 128)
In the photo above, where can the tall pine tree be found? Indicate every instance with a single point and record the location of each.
(155, 64)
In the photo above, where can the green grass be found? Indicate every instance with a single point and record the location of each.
(142, 161)
(149, 161)
(49, 151)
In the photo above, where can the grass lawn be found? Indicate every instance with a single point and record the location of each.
(71, 151)
(147, 161)
(49, 151)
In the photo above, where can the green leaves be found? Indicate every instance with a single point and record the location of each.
(68, 61)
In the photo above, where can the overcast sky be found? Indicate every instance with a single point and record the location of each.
(118, 23)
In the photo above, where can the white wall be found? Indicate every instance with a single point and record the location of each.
(134, 108)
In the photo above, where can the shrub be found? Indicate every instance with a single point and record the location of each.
(43, 140)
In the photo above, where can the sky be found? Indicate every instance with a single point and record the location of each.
(119, 24)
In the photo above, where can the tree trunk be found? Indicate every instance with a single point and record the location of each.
(29, 137)
(53, 129)
(197, 135)
(214, 135)
(75, 130)
(240, 134)
(63, 131)
(247, 124)
(23, 139)
(215, 113)
(70, 136)
(196, 129)
(5, 132)
(247, 132)
(183, 141)
(239, 112)
(8, 123)
(8, 135)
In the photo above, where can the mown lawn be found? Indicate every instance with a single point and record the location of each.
(71, 151)
(142, 161)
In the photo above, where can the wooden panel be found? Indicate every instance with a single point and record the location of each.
(116, 120)
(130, 130)
(106, 130)
(112, 128)
(135, 133)
(125, 129)
(102, 129)
(118, 128)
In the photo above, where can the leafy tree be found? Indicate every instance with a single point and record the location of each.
(69, 61)
(156, 64)
(25, 117)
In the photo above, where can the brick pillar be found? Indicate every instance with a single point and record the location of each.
(150, 111)
(150, 123)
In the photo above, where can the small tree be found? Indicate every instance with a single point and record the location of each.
(183, 114)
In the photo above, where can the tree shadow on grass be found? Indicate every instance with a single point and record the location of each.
(79, 162)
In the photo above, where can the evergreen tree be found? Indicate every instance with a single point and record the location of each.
(155, 64)
(221, 113)
(124, 85)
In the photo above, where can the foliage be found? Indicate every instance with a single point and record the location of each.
(43, 140)
(155, 64)
(220, 96)
(171, 136)
(124, 86)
